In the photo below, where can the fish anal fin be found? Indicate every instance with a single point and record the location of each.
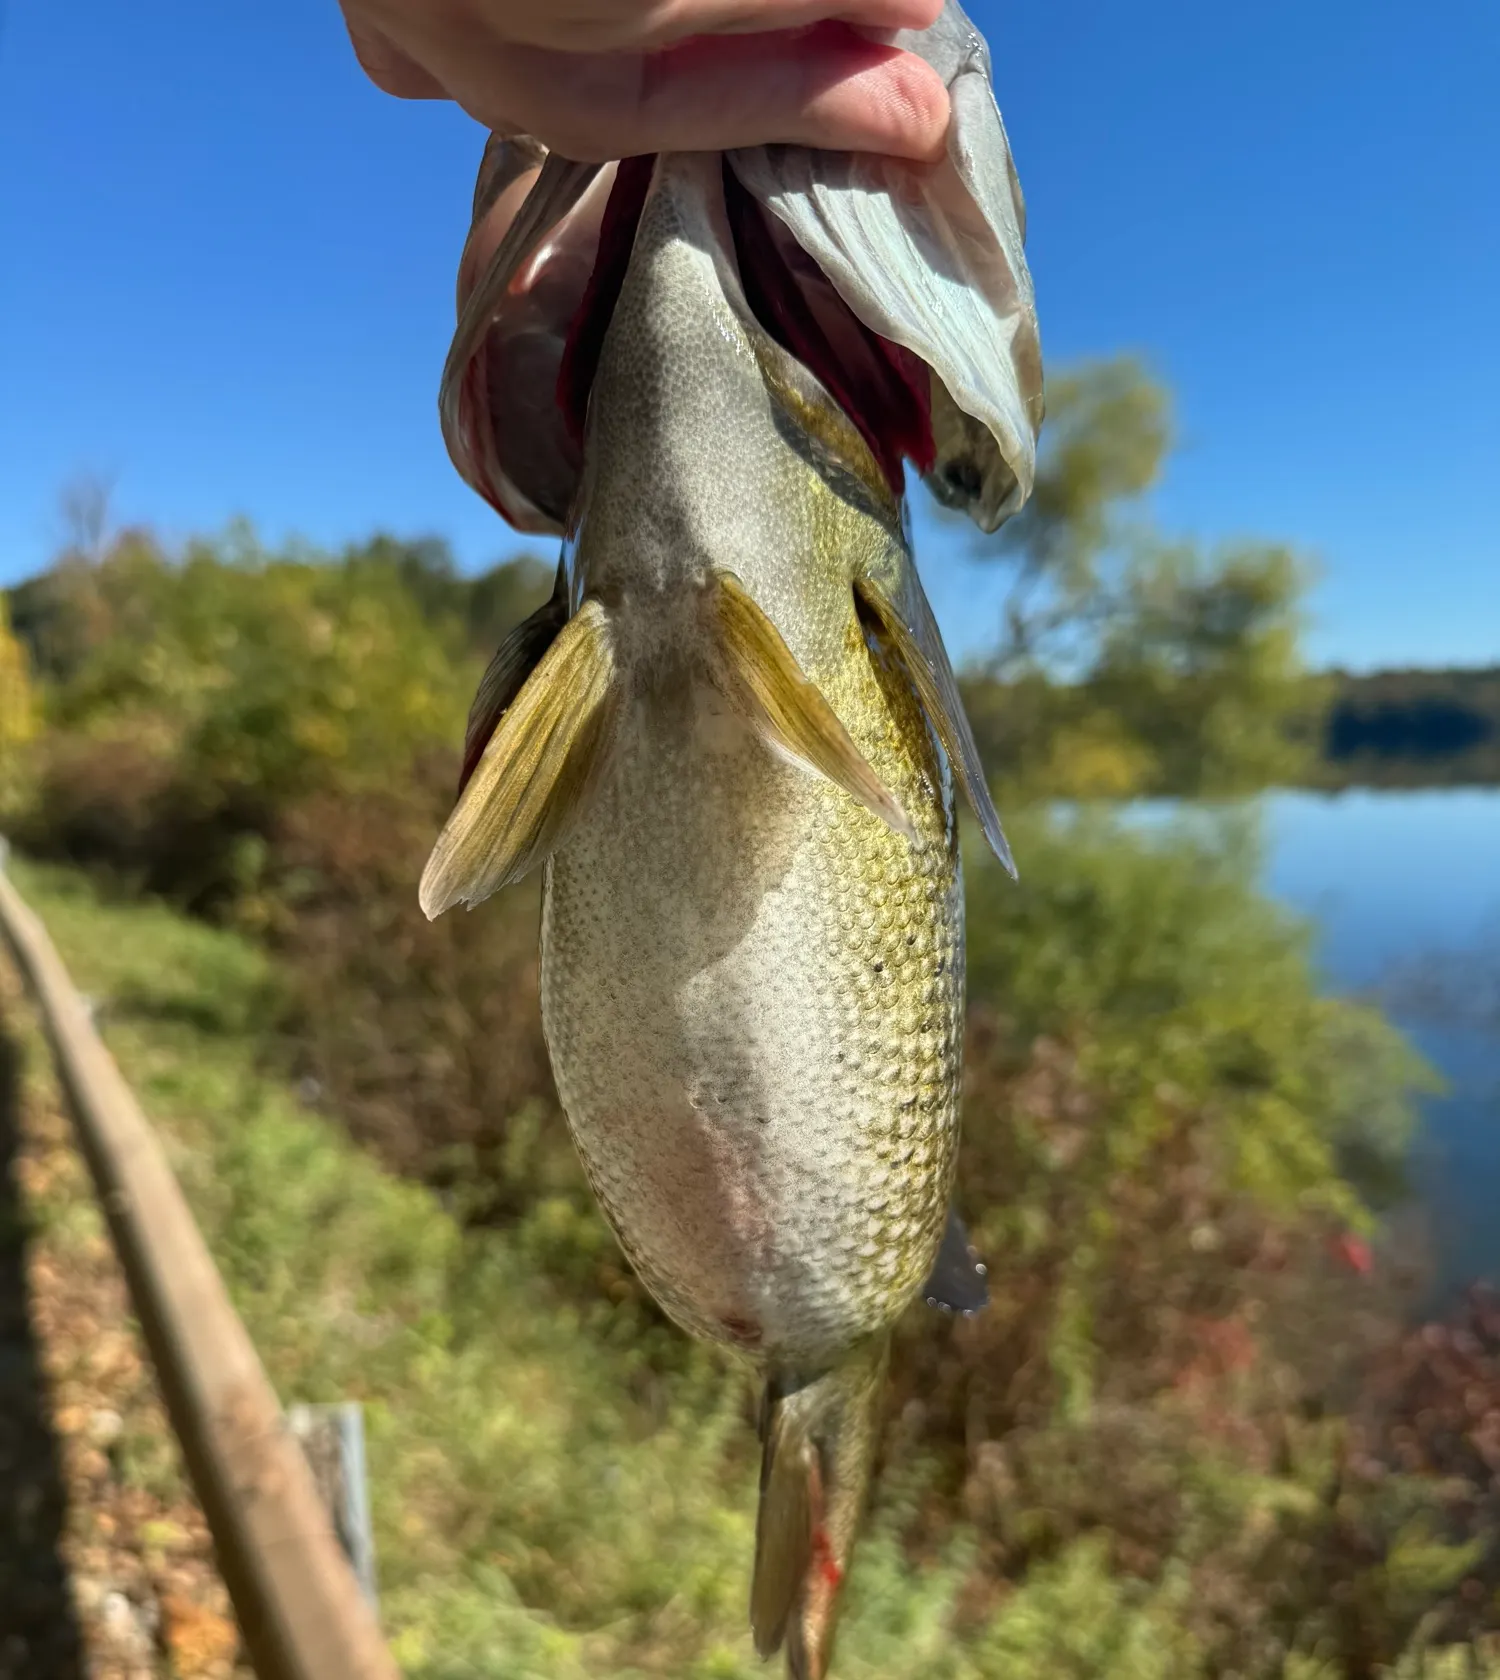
(515, 659)
(957, 1282)
(765, 684)
(909, 633)
(538, 773)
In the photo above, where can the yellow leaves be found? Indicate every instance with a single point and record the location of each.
(321, 736)
(1096, 757)
(18, 712)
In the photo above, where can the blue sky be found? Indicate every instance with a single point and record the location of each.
(227, 263)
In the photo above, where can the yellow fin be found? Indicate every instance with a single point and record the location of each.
(911, 635)
(537, 773)
(769, 688)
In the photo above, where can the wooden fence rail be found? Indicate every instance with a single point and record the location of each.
(299, 1605)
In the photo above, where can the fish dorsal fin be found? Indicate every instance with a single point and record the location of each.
(901, 618)
(767, 688)
(957, 1282)
(537, 774)
(515, 659)
(931, 257)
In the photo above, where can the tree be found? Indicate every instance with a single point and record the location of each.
(84, 504)
(1129, 663)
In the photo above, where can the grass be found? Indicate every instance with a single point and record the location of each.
(546, 1502)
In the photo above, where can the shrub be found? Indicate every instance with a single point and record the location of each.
(18, 720)
(194, 701)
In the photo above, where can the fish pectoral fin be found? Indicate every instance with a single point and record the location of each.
(767, 687)
(538, 773)
(909, 634)
(957, 1282)
(515, 659)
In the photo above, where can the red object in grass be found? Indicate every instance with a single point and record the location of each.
(1355, 1253)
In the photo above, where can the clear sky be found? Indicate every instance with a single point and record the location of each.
(227, 266)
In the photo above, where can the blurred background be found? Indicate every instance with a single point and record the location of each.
(1232, 1145)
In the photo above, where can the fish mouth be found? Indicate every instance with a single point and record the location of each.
(901, 288)
(881, 387)
(519, 382)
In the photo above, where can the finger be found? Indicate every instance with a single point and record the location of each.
(391, 70)
(686, 18)
(825, 87)
(641, 28)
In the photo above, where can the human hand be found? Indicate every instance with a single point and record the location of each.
(601, 79)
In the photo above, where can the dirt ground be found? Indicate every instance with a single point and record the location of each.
(106, 1566)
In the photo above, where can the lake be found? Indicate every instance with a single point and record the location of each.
(1390, 880)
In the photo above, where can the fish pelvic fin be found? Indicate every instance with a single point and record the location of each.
(538, 773)
(909, 634)
(958, 1281)
(819, 1437)
(765, 684)
(515, 659)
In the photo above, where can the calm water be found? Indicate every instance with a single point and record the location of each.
(1393, 879)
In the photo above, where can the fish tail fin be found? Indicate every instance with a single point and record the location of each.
(537, 774)
(765, 684)
(819, 1438)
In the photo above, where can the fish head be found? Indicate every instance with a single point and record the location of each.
(709, 439)
(902, 287)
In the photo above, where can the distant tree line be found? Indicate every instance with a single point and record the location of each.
(1412, 728)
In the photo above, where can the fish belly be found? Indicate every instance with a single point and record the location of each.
(752, 992)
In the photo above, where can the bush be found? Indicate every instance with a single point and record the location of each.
(426, 1036)
(18, 721)
(192, 703)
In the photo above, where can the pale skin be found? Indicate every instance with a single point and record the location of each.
(601, 79)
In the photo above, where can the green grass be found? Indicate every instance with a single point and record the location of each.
(546, 1501)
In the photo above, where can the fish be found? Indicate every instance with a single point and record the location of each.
(733, 742)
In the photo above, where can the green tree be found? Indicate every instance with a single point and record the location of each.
(1129, 663)
(479, 610)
